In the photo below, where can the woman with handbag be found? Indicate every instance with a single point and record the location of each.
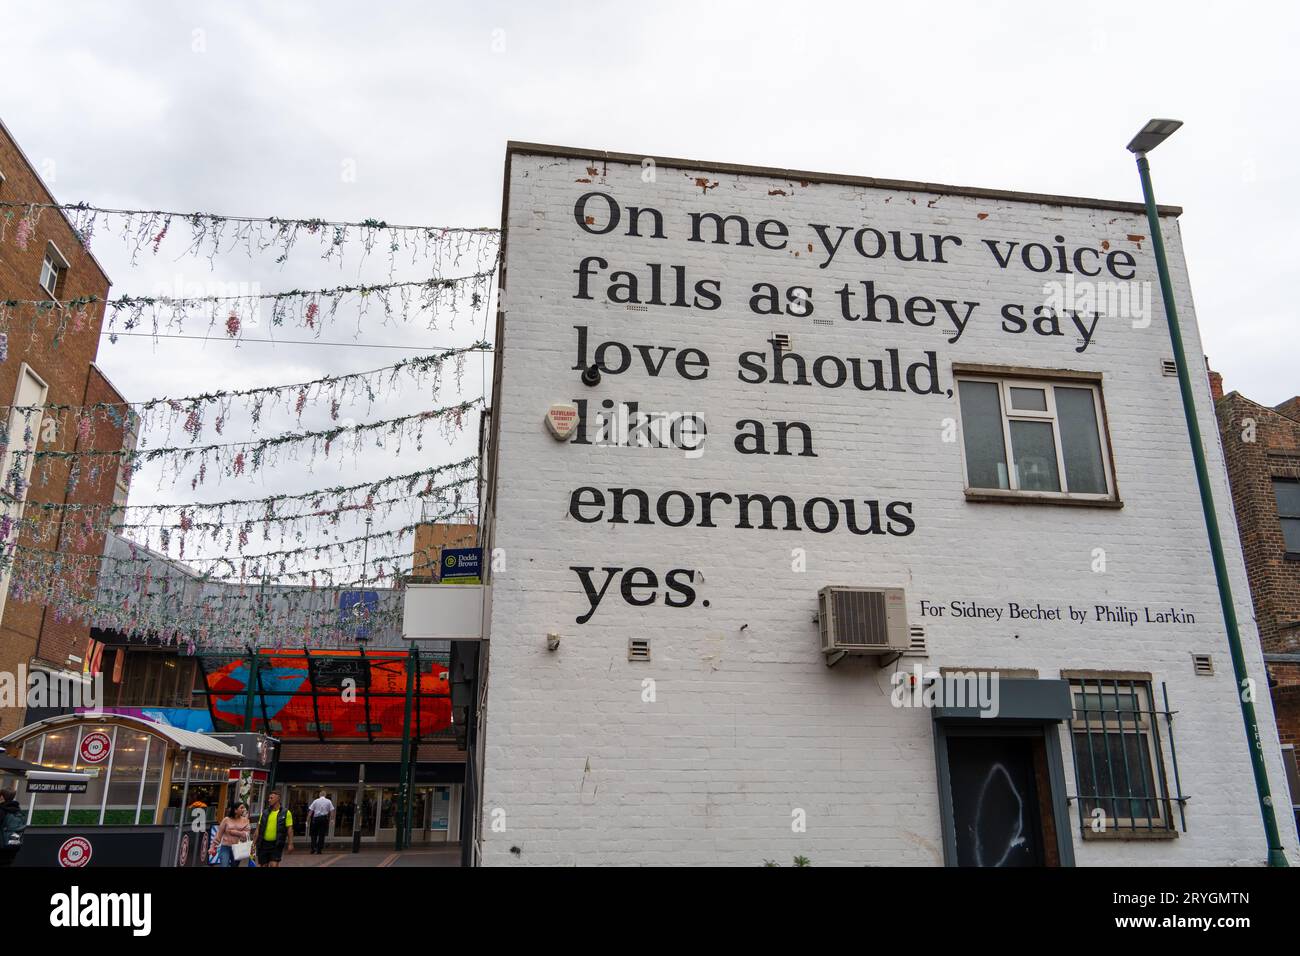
(234, 836)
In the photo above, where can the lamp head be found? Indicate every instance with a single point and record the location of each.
(1151, 135)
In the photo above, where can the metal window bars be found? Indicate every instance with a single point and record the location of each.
(1119, 765)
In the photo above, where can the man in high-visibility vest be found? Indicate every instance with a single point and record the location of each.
(274, 832)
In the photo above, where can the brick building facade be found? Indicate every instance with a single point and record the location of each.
(50, 361)
(1261, 446)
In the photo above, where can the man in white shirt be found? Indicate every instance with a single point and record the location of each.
(318, 821)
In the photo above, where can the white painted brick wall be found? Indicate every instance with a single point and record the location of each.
(749, 725)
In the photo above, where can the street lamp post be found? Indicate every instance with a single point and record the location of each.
(1151, 135)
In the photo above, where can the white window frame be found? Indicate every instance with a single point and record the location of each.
(54, 264)
(1048, 386)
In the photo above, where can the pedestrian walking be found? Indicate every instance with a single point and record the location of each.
(274, 832)
(318, 821)
(234, 836)
(12, 825)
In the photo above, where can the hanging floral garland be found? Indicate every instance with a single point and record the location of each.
(83, 530)
(195, 413)
(308, 309)
(207, 235)
(320, 500)
(174, 605)
(235, 459)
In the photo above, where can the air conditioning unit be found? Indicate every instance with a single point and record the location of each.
(863, 621)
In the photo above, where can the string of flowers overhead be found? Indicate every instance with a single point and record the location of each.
(248, 566)
(235, 459)
(195, 413)
(231, 315)
(323, 500)
(207, 235)
(83, 530)
(150, 596)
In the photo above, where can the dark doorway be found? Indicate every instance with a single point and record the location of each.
(997, 802)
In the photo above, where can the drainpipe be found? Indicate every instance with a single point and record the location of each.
(1255, 743)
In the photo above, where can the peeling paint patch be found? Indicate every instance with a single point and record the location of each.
(981, 215)
(592, 171)
(704, 184)
(591, 220)
(930, 204)
(582, 180)
(1138, 239)
(776, 192)
(1105, 244)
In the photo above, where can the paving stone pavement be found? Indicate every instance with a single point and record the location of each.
(441, 855)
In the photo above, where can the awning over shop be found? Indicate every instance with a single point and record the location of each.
(959, 697)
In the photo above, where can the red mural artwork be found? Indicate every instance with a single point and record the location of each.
(350, 691)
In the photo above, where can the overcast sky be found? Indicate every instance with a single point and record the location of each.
(262, 109)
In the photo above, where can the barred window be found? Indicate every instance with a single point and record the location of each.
(1120, 770)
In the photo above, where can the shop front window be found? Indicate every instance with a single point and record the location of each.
(84, 808)
(153, 768)
(60, 747)
(129, 754)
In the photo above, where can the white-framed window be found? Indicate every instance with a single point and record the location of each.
(1036, 437)
(53, 270)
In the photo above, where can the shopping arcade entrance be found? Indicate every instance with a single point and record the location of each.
(355, 697)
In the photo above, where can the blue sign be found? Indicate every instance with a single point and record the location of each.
(461, 564)
(355, 608)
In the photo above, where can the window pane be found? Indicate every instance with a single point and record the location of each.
(1123, 784)
(1288, 497)
(124, 784)
(152, 779)
(59, 745)
(1108, 701)
(981, 427)
(1291, 534)
(1029, 399)
(1080, 441)
(1034, 450)
(83, 808)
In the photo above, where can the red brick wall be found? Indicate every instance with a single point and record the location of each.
(61, 638)
(65, 367)
(430, 539)
(1274, 581)
(1252, 466)
(1285, 679)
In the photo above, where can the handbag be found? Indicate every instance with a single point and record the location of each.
(240, 851)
